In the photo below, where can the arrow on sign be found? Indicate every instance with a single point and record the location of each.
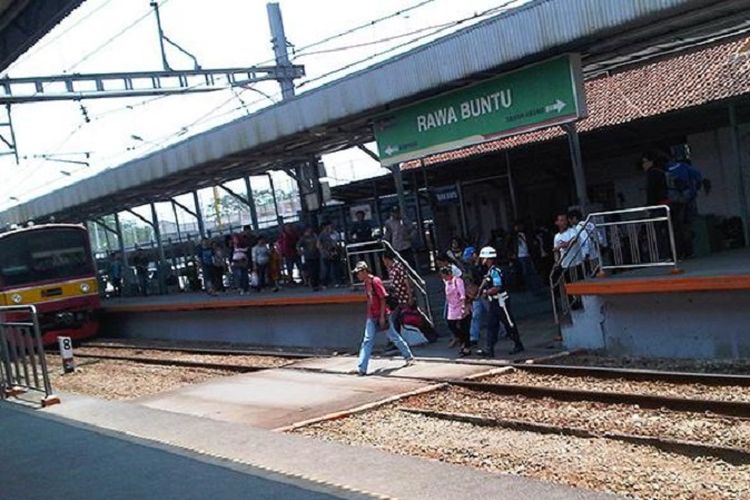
(557, 106)
(390, 150)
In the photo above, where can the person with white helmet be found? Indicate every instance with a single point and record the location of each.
(493, 288)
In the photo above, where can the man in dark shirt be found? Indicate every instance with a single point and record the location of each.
(653, 164)
(656, 180)
(361, 229)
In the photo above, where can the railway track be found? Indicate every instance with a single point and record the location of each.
(654, 401)
(174, 362)
(202, 350)
(733, 455)
(729, 408)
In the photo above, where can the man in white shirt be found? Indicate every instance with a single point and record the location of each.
(566, 246)
(398, 232)
(588, 236)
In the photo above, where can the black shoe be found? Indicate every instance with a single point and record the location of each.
(473, 343)
(518, 348)
(486, 353)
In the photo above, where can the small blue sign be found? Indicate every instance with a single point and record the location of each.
(446, 195)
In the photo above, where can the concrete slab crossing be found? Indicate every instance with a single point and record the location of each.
(276, 398)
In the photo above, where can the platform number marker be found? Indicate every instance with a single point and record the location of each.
(66, 352)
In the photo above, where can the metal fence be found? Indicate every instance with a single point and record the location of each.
(372, 253)
(23, 367)
(613, 241)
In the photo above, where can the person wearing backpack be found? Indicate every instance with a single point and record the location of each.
(673, 183)
(683, 183)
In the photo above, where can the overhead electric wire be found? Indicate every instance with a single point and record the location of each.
(367, 44)
(49, 42)
(366, 25)
(440, 29)
(115, 36)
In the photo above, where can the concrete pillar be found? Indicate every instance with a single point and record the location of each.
(251, 203)
(279, 219)
(511, 186)
(199, 215)
(737, 153)
(398, 179)
(418, 205)
(376, 201)
(462, 210)
(121, 242)
(160, 249)
(577, 163)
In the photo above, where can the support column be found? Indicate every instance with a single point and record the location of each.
(398, 179)
(278, 38)
(418, 205)
(279, 219)
(376, 200)
(176, 222)
(462, 210)
(511, 187)
(121, 241)
(577, 162)
(199, 215)
(160, 248)
(737, 152)
(251, 203)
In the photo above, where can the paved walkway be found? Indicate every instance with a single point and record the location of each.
(43, 457)
(240, 448)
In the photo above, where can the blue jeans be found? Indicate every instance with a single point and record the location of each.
(478, 308)
(241, 279)
(371, 328)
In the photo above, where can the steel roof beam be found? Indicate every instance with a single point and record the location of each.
(136, 83)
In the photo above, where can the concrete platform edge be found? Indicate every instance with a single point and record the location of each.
(363, 470)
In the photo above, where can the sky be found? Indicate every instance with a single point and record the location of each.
(121, 35)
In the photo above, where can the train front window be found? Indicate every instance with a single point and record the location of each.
(44, 255)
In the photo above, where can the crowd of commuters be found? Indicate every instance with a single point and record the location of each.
(245, 260)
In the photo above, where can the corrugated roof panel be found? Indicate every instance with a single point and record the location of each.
(531, 29)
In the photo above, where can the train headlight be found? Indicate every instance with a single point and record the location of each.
(85, 288)
(16, 298)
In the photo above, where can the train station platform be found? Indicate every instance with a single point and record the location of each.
(293, 317)
(105, 449)
(656, 313)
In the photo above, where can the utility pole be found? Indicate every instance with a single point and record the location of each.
(280, 44)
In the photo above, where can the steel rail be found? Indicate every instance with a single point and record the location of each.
(202, 350)
(729, 408)
(737, 456)
(637, 374)
(177, 362)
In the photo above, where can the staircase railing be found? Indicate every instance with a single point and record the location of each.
(618, 240)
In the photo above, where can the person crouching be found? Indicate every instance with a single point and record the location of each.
(458, 315)
(378, 319)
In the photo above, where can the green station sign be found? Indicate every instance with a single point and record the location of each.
(533, 97)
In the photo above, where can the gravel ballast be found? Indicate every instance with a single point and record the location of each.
(591, 416)
(122, 380)
(692, 391)
(596, 464)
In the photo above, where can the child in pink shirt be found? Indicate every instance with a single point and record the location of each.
(459, 315)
